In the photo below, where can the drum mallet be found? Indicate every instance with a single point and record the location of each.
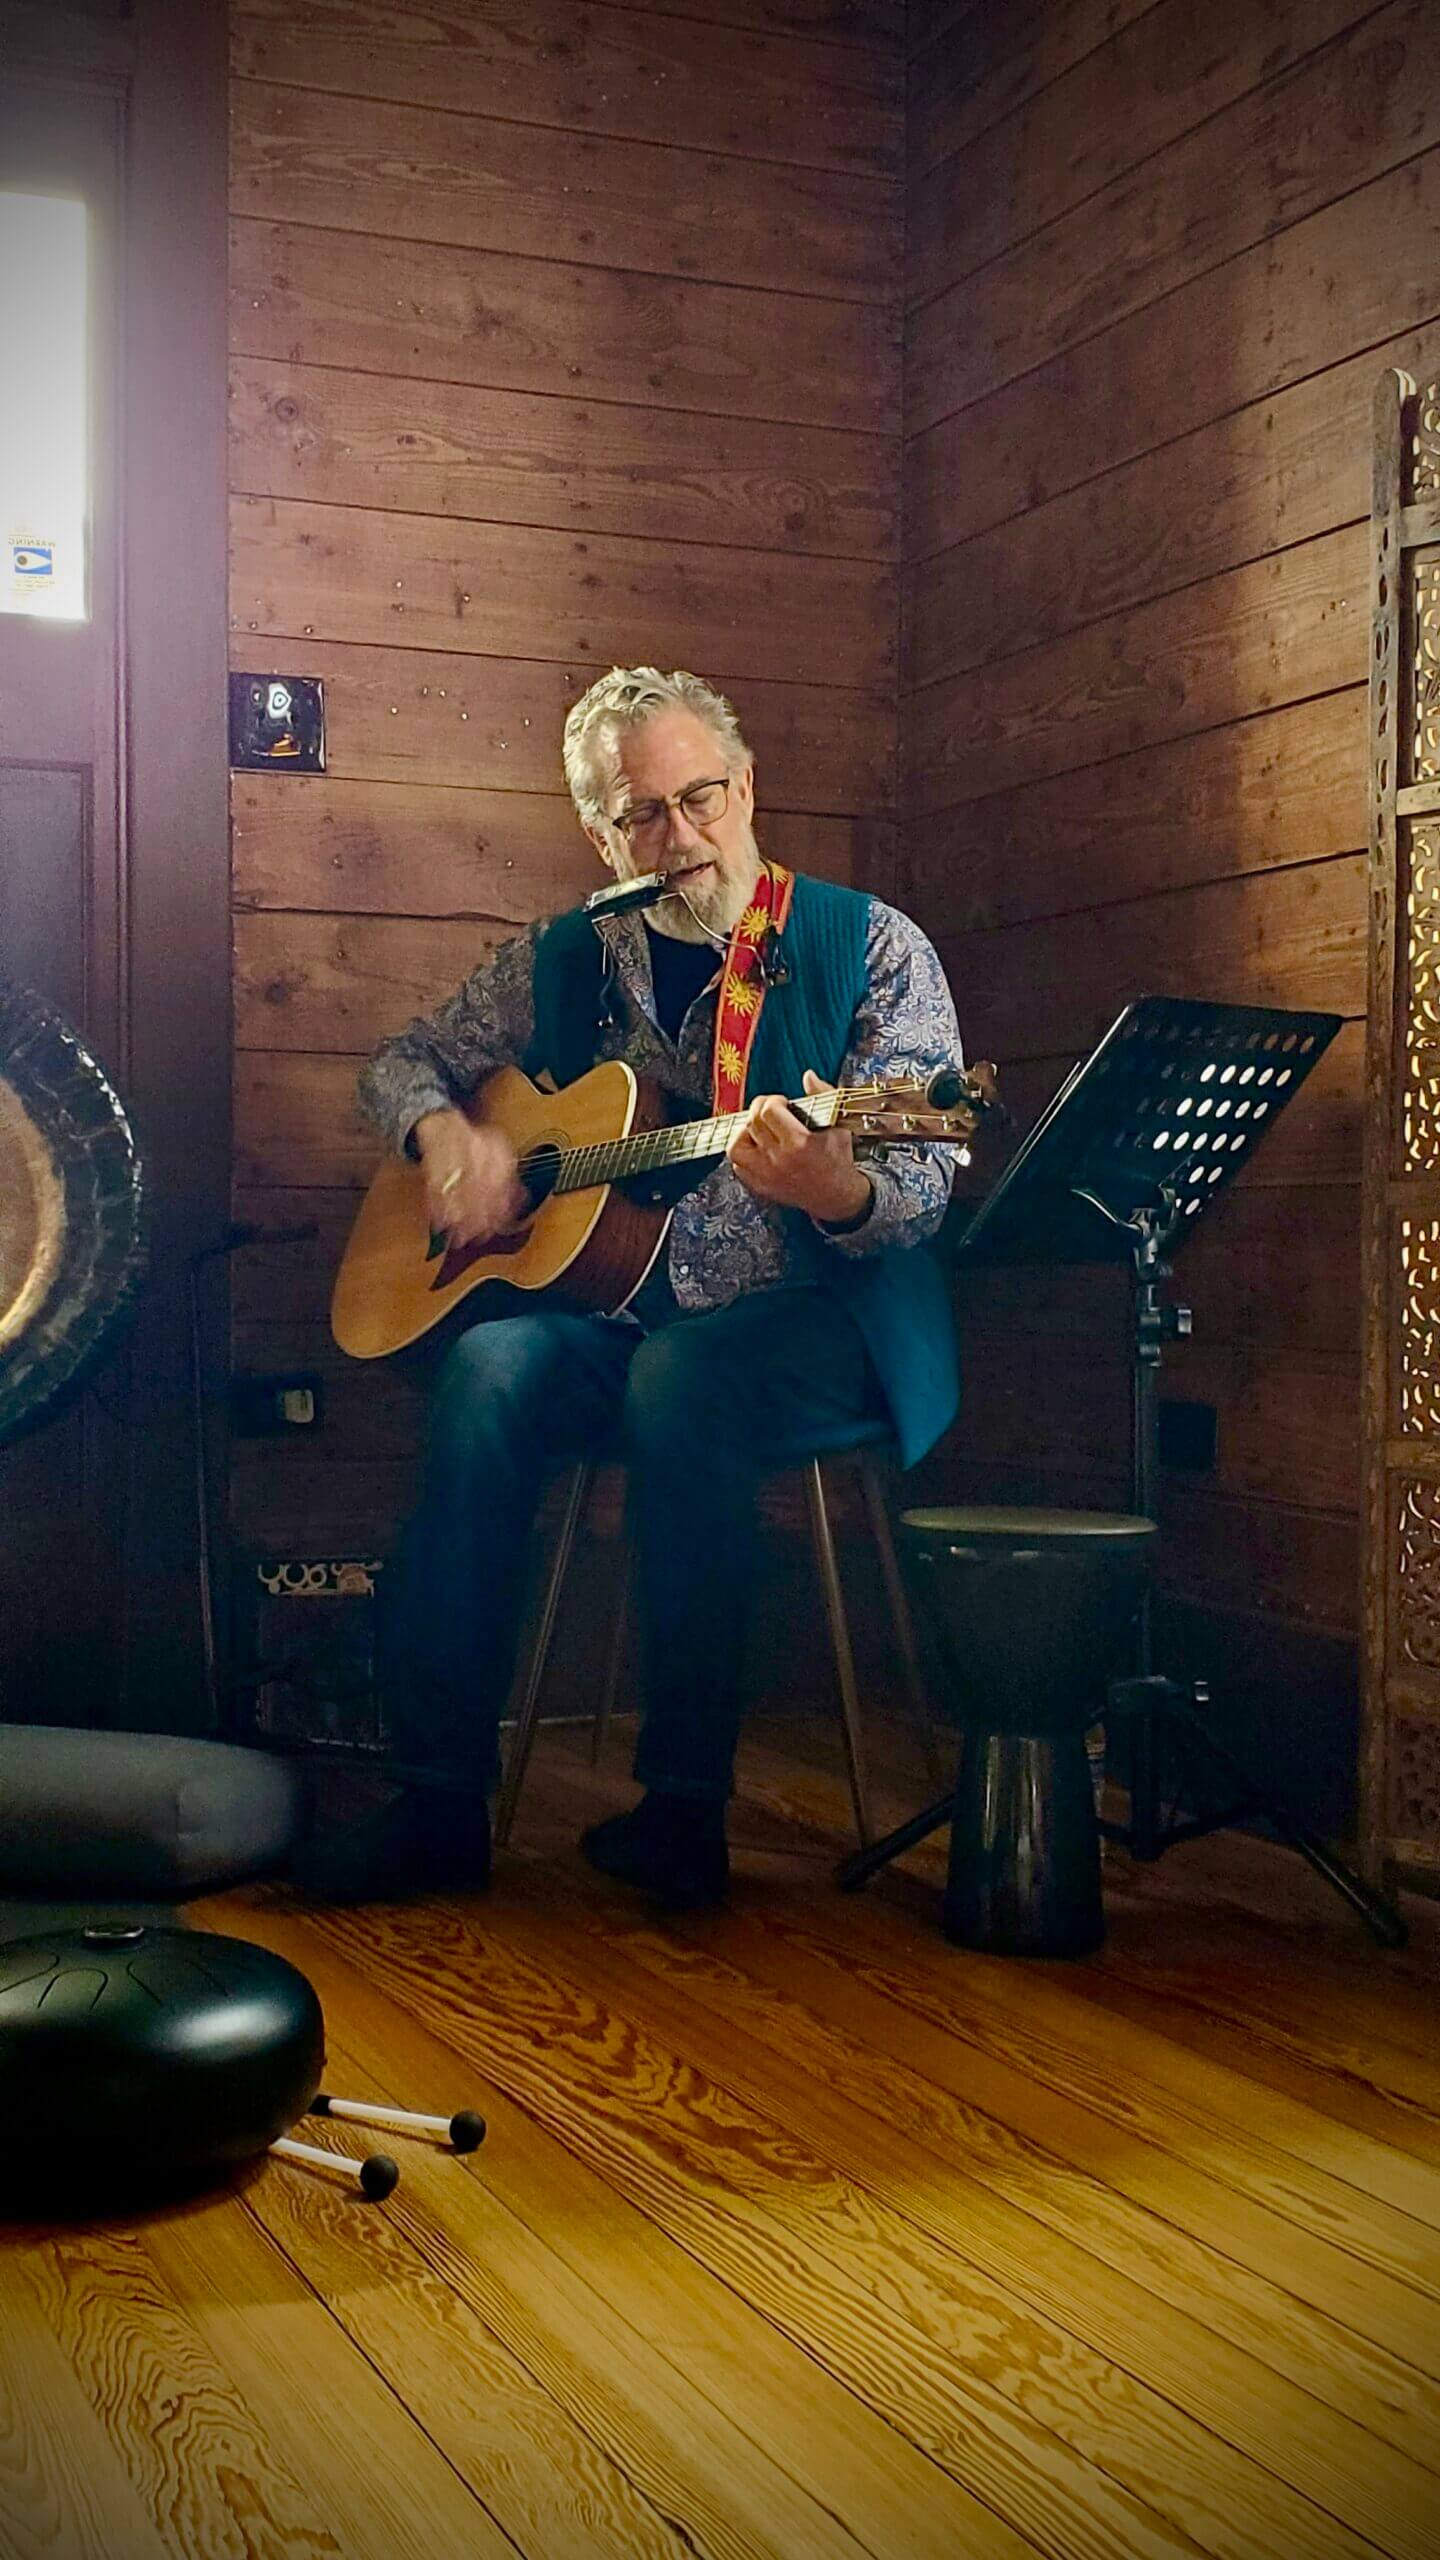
(376, 2176)
(464, 2131)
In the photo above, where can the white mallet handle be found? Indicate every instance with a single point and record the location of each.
(312, 2157)
(359, 2111)
(376, 2176)
(466, 2130)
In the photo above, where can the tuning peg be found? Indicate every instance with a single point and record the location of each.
(945, 1087)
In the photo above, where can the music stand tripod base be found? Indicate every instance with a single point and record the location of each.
(1153, 1699)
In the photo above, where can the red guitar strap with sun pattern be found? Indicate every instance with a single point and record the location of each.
(742, 988)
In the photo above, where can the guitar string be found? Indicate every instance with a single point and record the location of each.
(611, 1159)
(586, 1167)
(580, 1167)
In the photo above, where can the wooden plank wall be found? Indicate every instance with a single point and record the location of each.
(559, 337)
(1157, 256)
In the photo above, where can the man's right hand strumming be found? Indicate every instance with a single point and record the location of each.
(472, 1188)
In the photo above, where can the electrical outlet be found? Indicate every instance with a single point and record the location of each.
(263, 1408)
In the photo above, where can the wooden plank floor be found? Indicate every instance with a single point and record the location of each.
(797, 2232)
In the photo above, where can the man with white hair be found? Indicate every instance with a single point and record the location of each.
(792, 1301)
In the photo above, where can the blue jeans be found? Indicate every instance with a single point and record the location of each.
(699, 1409)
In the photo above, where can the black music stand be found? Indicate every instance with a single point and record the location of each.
(1142, 1135)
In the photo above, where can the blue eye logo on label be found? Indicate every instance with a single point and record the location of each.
(32, 559)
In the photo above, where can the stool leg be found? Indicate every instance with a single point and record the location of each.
(617, 1657)
(529, 1715)
(904, 1624)
(825, 1558)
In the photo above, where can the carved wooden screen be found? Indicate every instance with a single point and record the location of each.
(1400, 1760)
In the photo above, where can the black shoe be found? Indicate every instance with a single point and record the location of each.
(671, 1847)
(419, 1841)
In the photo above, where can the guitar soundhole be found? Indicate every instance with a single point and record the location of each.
(539, 1170)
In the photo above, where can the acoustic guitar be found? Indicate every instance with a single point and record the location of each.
(584, 1240)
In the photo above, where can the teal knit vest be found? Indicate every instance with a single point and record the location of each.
(898, 1296)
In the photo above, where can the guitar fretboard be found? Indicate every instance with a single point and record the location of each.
(689, 1142)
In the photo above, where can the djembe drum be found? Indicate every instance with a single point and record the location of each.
(1028, 1612)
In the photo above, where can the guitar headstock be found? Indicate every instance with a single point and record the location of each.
(943, 1109)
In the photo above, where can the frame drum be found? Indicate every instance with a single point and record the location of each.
(72, 1252)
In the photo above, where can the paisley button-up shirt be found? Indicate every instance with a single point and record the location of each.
(723, 1242)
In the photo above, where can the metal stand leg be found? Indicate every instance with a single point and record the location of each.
(862, 1864)
(529, 1714)
(1179, 1703)
(611, 1691)
(825, 1558)
(879, 1518)
(1145, 1839)
(1379, 1915)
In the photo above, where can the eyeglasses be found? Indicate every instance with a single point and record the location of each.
(649, 820)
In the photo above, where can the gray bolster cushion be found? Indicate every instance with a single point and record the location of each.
(137, 1813)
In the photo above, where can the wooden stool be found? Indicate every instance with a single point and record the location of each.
(871, 1448)
(1028, 1611)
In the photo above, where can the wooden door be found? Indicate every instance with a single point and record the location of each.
(113, 781)
(61, 892)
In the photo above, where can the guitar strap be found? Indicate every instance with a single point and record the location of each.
(742, 985)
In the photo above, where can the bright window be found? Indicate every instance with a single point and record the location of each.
(44, 464)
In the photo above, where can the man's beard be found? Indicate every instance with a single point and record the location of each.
(712, 907)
